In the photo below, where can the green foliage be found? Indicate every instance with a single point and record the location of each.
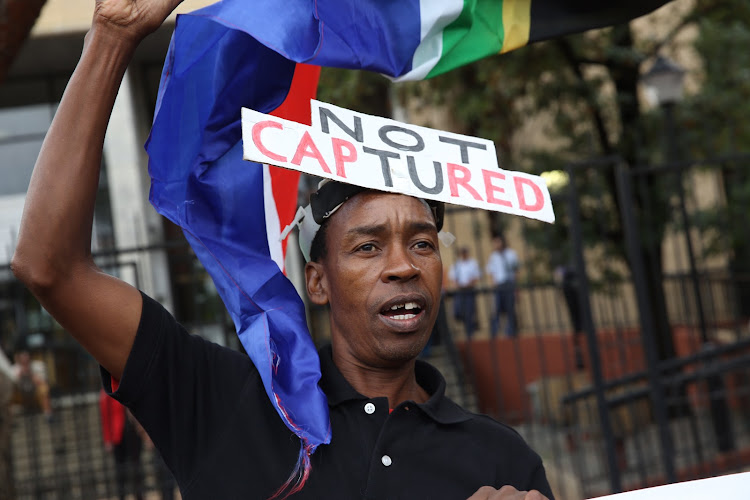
(361, 91)
(715, 120)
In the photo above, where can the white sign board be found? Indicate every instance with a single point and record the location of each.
(391, 156)
(731, 487)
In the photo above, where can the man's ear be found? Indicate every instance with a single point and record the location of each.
(316, 283)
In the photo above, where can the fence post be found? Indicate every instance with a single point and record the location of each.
(591, 339)
(633, 243)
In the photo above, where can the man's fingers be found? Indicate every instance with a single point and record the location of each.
(535, 495)
(482, 493)
(134, 17)
(507, 492)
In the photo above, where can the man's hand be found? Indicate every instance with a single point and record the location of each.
(133, 19)
(505, 493)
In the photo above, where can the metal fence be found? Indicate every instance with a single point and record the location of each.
(626, 415)
(62, 456)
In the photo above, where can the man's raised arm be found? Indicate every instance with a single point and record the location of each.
(53, 255)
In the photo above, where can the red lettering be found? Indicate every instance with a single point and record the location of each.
(463, 180)
(520, 182)
(307, 148)
(338, 154)
(491, 189)
(257, 129)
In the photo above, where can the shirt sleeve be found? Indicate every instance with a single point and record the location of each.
(181, 388)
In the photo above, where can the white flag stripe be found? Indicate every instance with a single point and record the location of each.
(434, 17)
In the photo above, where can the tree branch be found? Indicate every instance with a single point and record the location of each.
(689, 19)
(575, 65)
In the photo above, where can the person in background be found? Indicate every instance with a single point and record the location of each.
(121, 435)
(32, 390)
(566, 278)
(6, 368)
(502, 268)
(465, 274)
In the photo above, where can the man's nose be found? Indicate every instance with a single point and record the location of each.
(399, 265)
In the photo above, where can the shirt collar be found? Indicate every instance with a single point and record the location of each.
(332, 382)
(438, 407)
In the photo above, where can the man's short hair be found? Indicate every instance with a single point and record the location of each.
(319, 249)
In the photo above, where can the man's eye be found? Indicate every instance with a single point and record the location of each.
(424, 245)
(367, 247)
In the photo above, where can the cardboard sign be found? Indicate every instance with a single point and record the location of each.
(391, 156)
(730, 487)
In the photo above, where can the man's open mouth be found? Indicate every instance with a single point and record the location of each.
(402, 311)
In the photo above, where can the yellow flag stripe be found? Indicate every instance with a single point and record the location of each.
(516, 23)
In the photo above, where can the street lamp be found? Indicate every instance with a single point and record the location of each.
(664, 84)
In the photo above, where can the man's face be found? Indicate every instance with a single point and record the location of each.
(381, 276)
(23, 360)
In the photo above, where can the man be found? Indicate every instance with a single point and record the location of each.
(121, 438)
(377, 264)
(565, 277)
(465, 276)
(502, 267)
(32, 390)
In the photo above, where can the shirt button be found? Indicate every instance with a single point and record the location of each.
(369, 408)
(386, 460)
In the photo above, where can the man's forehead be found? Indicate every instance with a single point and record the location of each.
(377, 205)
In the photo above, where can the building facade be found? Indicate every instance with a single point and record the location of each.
(128, 235)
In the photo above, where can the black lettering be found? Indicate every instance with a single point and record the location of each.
(384, 164)
(356, 133)
(464, 145)
(415, 177)
(385, 129)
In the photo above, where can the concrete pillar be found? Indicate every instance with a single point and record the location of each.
(136, 224)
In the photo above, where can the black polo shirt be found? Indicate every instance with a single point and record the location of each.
(205, 408)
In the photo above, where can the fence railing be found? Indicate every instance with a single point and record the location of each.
(62, 456)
